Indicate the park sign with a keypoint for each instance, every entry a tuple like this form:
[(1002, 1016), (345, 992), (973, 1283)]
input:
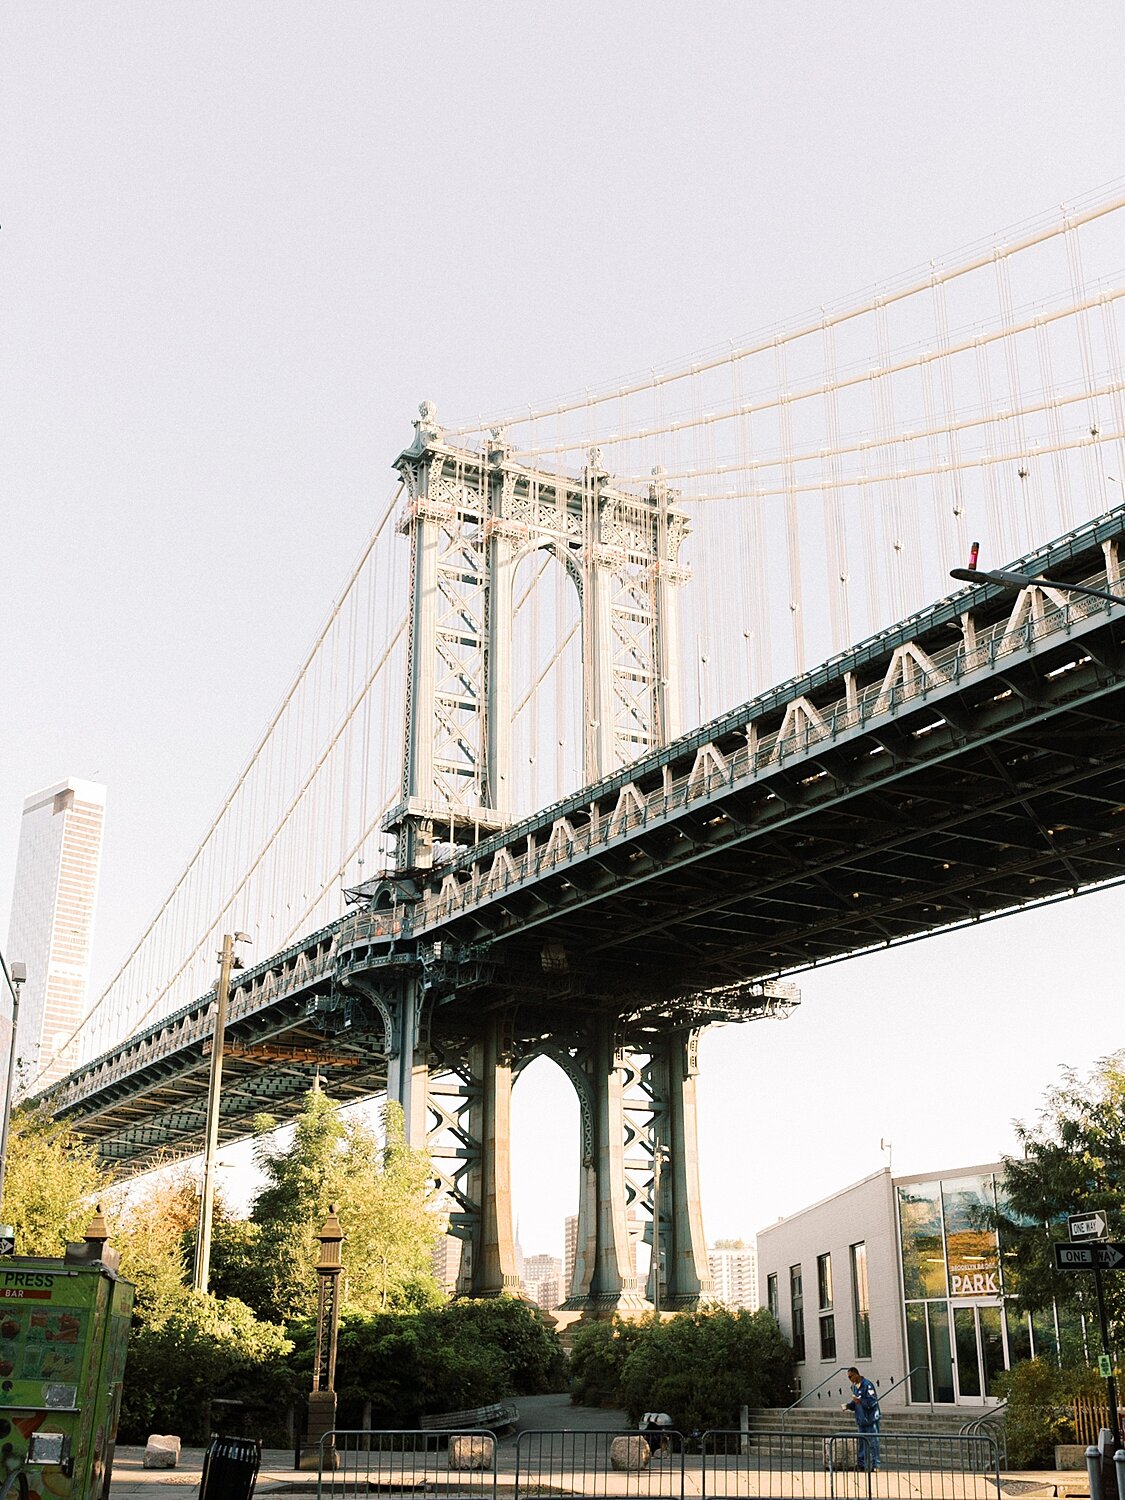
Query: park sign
[(1087, 1226), (1098, 1255)]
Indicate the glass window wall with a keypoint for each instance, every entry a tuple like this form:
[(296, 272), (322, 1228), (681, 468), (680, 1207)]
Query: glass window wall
[(923, 1246), (861, 1301), (797, 1311)]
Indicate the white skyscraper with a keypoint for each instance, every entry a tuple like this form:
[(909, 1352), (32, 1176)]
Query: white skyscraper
[(734, 1269), (52, 924)]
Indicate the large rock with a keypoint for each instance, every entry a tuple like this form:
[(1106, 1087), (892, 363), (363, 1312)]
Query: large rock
[(629, 1453), (470, 1451), (162, 1452)]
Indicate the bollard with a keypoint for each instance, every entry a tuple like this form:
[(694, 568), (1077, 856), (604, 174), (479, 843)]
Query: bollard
[(1119, 1466), (1094, 1471)]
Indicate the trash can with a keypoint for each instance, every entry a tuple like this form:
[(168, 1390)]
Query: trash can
[(230, 1468)]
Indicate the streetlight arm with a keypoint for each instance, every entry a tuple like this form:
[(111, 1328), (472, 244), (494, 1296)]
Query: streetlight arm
[(1017, 581)]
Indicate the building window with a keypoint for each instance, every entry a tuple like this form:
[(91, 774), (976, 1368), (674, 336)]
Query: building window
[(861, 1301), (797, 1312), (824, 1307), (771, 1297)]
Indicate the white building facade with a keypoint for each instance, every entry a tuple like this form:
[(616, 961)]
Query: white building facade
[(52, 923), (902, 1277)]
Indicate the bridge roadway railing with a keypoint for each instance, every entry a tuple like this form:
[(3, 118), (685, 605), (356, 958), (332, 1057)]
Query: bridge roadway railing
[(287, 973), (694, 767)]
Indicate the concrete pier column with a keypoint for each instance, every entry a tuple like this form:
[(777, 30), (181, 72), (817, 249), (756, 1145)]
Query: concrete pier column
[(408, 1070), (608, 1279), (491, 1262), (688, 1275)]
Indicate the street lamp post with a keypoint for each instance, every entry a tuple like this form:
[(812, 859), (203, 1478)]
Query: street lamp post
[(322, 1400), (16, 977), (1016, 581), (227, 963)]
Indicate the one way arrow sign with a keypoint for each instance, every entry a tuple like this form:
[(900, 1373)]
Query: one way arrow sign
[(1090, 1226), (1102, 1255)]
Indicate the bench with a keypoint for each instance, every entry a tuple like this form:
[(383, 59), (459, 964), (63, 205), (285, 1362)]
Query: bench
[(501, 1416)]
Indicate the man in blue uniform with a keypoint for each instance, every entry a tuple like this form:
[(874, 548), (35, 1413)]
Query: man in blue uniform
[(865, 1405)]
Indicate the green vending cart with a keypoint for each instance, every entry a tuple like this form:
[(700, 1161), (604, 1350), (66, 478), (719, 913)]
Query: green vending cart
[(64, 1332)]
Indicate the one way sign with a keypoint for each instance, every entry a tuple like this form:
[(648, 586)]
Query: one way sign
[(1096, 1256), (1089, 1226)]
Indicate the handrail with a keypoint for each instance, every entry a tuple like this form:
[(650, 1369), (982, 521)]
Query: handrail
[(843, 1370), (990, 1415), (903, 1381), (977, 1428)]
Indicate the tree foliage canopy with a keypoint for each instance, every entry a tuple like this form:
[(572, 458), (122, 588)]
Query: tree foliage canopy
[(382, 1193), (1073, 1162), (51, 1182)]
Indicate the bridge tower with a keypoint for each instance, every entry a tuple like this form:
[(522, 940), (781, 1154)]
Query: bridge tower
[(470, 518)]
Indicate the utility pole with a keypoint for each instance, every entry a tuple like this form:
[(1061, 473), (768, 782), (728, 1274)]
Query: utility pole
[(227, 962)]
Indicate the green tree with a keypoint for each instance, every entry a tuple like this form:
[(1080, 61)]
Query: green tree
[(382, 1193), (393, 1368), (702, 1367), (201, 1348), (51, 1183), (1073, 1161), (1040, 1409), (698, 1367), (149, 1233), (597, 1359)]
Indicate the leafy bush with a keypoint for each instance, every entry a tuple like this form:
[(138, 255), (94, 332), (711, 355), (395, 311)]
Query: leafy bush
[(1039, 1413), (597, 1360), (702, 1367), (393, 1368), (698, 1367), (204, 1347)]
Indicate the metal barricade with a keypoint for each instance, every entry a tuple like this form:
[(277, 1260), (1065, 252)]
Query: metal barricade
[(643, 1464), (922, 1465), (355, 1462), (808, 1466), (781, 1465)]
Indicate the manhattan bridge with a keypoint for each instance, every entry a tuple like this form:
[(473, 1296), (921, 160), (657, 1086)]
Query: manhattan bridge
[(586, 756)]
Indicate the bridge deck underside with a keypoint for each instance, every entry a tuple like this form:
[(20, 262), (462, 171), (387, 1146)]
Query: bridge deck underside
[(989, 796), (270, 1062)]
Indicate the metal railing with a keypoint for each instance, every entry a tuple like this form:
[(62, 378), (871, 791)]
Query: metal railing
[(782, 1465), (991, 1423), (644, 1464), (804, 1396), (930, 1466), (654, 1465), (884, 1394), (406, 1463)]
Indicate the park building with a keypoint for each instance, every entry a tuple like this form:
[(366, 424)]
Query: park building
[(52, 925), (734, 1270), (902, 1277)]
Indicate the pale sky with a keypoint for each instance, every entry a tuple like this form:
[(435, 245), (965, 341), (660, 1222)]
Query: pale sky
[(239, 244)]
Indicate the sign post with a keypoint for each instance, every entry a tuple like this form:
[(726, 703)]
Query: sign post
[(1089, 1250)]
